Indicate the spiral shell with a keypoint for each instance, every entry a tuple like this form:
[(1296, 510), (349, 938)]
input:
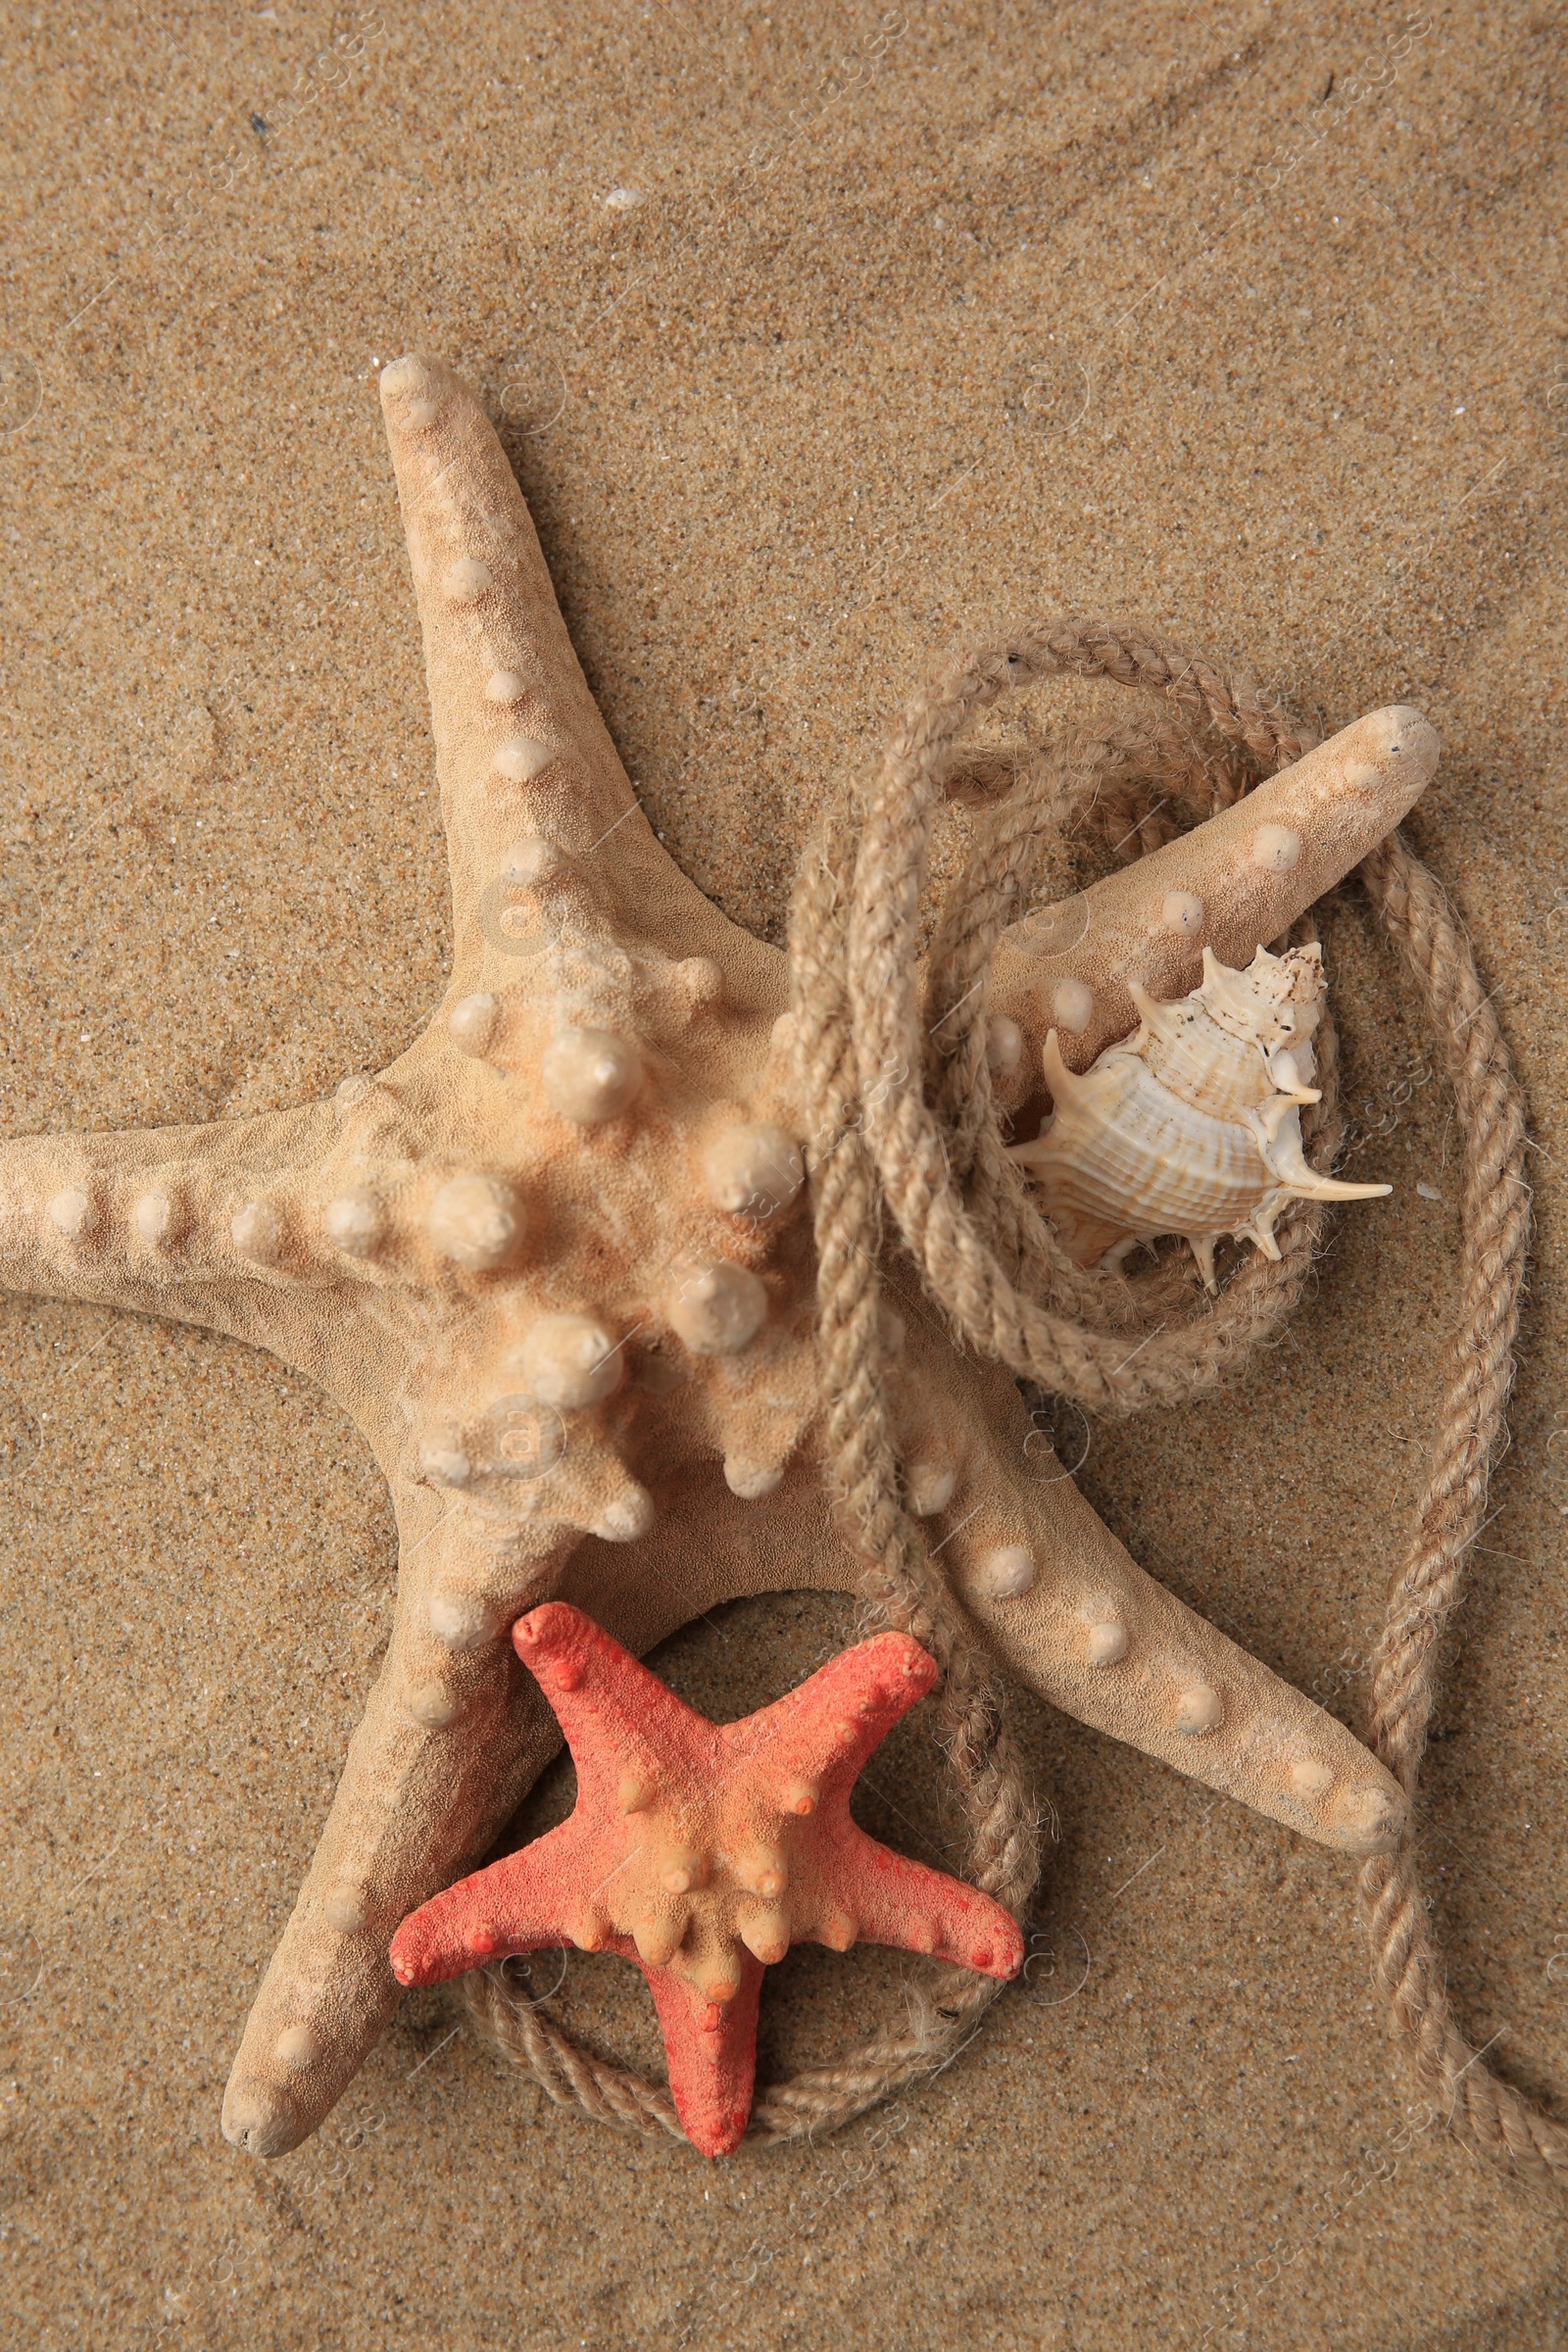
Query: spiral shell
[(1193, 1125)]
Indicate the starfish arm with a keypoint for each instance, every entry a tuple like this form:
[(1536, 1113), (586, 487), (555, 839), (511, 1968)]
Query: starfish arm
[(712, 2055), (448, 1745), (820, 1733), (218, 1225), (531, 784), (878, 1896), (809, 1747), (627, 1730), (524, 1903), (1233, 884), (1070, 1612)]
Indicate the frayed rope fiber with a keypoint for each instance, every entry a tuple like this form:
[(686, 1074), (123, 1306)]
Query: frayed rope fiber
[(928, 1156)]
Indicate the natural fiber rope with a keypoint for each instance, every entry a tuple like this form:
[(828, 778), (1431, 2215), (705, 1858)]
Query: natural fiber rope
[(1496, 1223), (902, 1117)]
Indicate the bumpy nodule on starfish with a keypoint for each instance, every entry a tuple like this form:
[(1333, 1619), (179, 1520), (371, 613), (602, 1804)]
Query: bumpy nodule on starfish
[(555, 1261), (703, 1851)]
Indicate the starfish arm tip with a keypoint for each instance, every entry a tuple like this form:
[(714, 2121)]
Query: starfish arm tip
[(262, 2119), (603, 1696), (529, 1901), (712, 2055), (1231, 884), (825, 1728), (876, 1895)]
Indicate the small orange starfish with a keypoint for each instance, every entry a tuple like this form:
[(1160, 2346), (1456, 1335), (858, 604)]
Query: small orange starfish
[(704, 1850)]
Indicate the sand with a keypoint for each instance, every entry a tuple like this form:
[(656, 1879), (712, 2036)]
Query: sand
[(820, 349)]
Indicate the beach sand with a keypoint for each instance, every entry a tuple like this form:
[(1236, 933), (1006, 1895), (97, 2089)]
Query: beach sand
[(824, 344)]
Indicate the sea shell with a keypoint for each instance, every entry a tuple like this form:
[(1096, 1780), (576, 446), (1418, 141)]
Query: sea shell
[(1193, 1125)]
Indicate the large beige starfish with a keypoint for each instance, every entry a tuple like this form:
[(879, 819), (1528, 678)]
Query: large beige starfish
[(554, 1263)]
